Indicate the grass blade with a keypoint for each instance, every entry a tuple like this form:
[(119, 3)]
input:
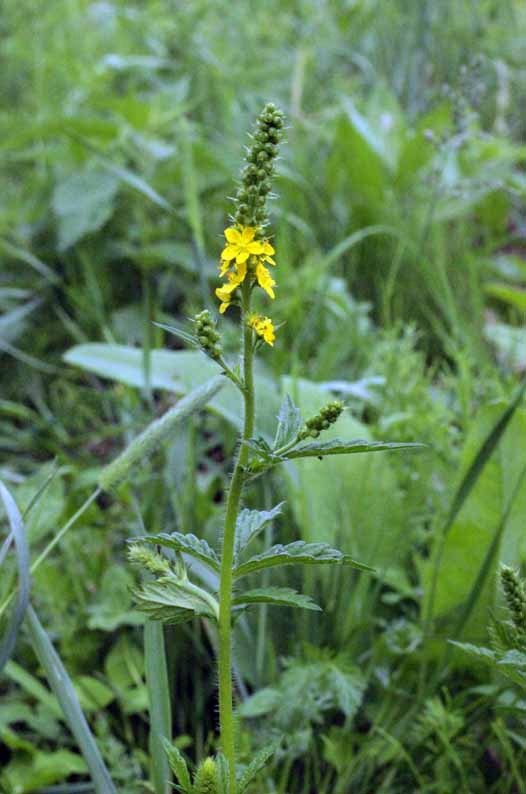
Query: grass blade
[(18, 535), (159, 698), (62, 687)]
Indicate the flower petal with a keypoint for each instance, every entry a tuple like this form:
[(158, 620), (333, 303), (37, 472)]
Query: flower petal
[(265, 280), (223, 307), (232, 235), (242, 256), (241, 268), (268, 248), (229, 252), (247, 235), (223, 267), (255, 247)]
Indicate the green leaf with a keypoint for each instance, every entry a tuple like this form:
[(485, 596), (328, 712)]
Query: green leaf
[(513, 296), (156, 432), (290, 422), (25, 774), (318, 449), (17, 533), (250, 523), (513, 658), (339, 499), (65, 693), (510, 342), (178, 371), (277, 596), (175, 601), (83, 203), (112, 607), (485, 522), (223, 774), (297, 553), (93, 695), (159, 704), (44, 520), (476, 651), (190, 339), (256, 765), (178, 766), (185, 543), (262, 702), (124, 668)]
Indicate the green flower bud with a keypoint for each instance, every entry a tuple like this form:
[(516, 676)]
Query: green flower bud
[(515, 595), (207, 335), (251, 196), (206, 780), (322, 420)]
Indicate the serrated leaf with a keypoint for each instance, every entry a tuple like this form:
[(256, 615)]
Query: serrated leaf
[(175, 601), (290, 422), (317, 449), (514, 658), (185, 543), (250, 523), (475, 651), (255, 766), (277, 596), (260, 703), (178, 766), (297, 553)]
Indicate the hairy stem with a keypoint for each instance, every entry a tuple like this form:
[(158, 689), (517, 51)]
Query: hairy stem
[(226, 715)]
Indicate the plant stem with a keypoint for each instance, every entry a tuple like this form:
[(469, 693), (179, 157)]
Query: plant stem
[(226, 715)]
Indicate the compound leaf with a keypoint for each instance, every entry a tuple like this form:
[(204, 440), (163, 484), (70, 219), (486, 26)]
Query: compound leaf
[(187, 544), (277, 596), (297, 553)]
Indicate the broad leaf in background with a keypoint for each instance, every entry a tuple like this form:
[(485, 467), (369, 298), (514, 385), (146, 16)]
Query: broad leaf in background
[(177, 371), (470, 536), (31, 772), (336, 500), (83, 202), (112, 606), (289, 423)]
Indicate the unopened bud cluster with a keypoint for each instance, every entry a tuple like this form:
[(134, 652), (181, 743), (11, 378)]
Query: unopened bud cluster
[(140, 555), (206, 781), (256, 176), (326, 417), (207, 335), (515, 594)]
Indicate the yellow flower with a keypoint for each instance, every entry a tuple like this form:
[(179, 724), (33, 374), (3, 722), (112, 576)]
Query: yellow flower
[(263, 327), (241, 245), (265, 280), (224, 293), (267, 252), (241, 257)]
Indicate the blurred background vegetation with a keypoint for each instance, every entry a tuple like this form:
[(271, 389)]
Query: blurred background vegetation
[(401, 246)]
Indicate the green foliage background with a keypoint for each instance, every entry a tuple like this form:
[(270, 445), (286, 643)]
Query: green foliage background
[(400, 240)]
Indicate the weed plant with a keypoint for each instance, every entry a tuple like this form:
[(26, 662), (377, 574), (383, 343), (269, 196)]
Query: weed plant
[(399, 240)]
